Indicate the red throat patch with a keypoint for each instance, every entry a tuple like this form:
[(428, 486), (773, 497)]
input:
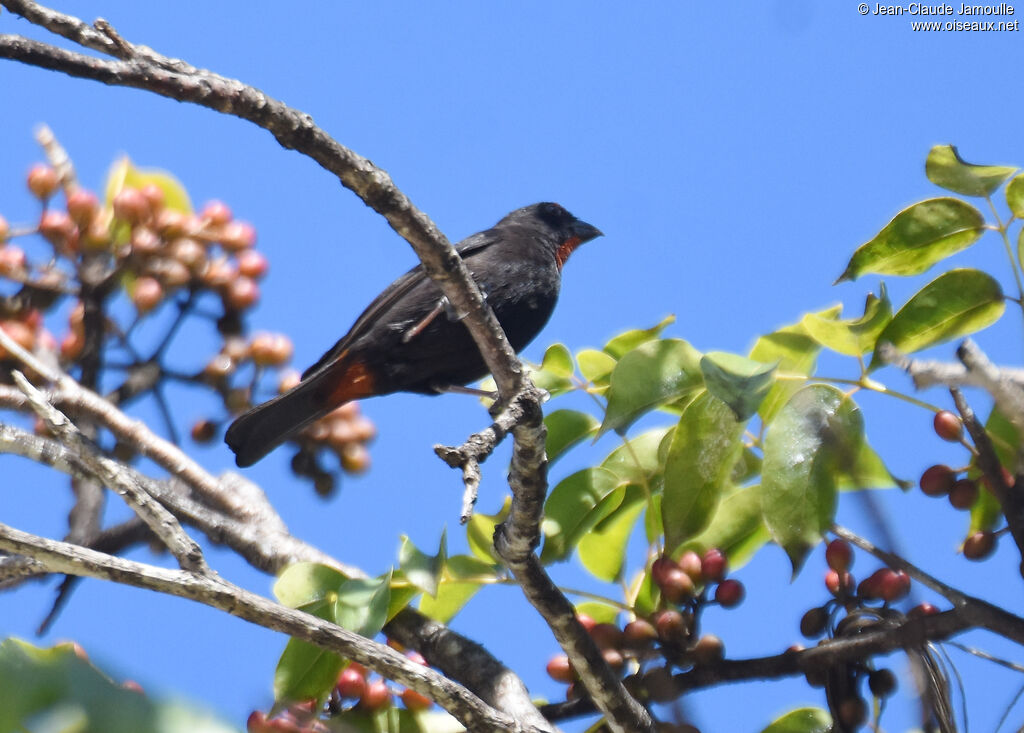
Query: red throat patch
[(565, 249)]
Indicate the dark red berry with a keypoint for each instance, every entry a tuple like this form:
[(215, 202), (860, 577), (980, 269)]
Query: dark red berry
[(882, 682), (839, 555), (937, 480), (714, 565), (730, 593), (979, 545), (948, 426), (963, 494), (839, 583), (895, 585), (677, 586), (813, 623), (560, 669)]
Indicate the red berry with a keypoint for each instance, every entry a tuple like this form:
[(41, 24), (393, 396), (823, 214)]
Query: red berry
[(639, 633), (714, 565), (937, 480), (979, 545), (709, 649), (237, 235), (351, 682), (678, 586), (376, 695), (82, 206), (42, 181), (729, 593), (839, 583), (131, 206), (948, 426), (415, 701), (203, 431), (252, 264), (871, 587), (690, 563), (606, 636), (132, 686), (672, 626), (21, 333), (242, 293), (560, 669), (853, 711), (922, 609), (147, 294), (895, 585), (5, 229), (257, 722), (613, 658), (660, 568), (58, 229), (154, 195), (839, 555), (963, 494), (585, 621), (216, 213)]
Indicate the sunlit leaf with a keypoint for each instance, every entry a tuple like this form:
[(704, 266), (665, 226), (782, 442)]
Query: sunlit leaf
[(600, 612), (362, 605), (303, 583), (595, 366), (802, 720), (956, 303), (1015, 196), (422, 570), (869, 471), (737, 528), (603, 549), (480, 532), (575, 506), (629, 340), (638, 460), (464, 577), (567, 428), (817, 433), (918, 237), (853, 337), (651, 374), (795, 352), (739, 382), (305, 671), (944, 167), (699, 464)]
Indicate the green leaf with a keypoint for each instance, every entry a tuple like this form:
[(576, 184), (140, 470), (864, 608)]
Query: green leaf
[(1015, 196), (854, 337), (55, 690), (600, 612), (869, 472), (303, 584), (700, 460), (947, 169), (955, 303), (603, 550), (464, 577), (567, 428), (796, 353), (480, 532), (648, 376), (817, 433), (558, 361), (595, 366), (575, 506), (917, 238), (305, 671), (737, 528), (362, 605), (638, 460), (629, 340), (422, 570), (747, 467), (739, 382), (802, 720), (987, 512)]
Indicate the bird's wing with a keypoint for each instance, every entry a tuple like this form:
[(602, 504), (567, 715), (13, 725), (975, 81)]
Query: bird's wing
[(392, 294)]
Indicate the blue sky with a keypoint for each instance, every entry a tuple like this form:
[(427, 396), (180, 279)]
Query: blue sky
[(734, 154)]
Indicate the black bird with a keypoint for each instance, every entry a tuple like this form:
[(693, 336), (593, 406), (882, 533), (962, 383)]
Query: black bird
[(409, 340)]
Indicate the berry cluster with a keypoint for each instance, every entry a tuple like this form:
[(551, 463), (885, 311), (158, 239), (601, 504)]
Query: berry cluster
[(651, 647), (962, 491), (145, 242), (850, 612)]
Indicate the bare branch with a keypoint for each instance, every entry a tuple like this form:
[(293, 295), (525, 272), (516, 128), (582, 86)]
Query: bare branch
[(187, 552)]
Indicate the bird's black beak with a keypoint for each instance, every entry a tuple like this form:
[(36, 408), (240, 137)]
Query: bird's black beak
[(585, 231)]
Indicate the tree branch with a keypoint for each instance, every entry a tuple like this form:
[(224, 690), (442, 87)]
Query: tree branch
[(213, 591)]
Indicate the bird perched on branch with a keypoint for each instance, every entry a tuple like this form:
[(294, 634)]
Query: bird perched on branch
[(410, 340)]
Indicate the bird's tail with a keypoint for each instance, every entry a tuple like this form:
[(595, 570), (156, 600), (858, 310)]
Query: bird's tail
[(266, 426)]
